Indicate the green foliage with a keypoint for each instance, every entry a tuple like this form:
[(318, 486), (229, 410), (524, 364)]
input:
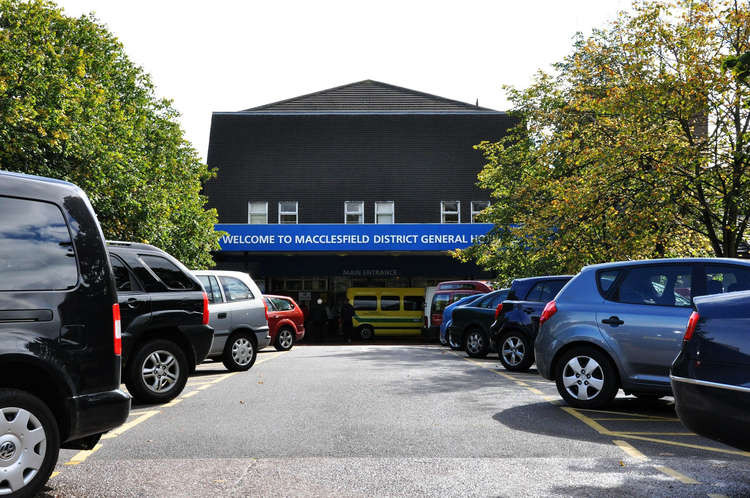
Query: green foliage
[(73, 106), (635, 147)]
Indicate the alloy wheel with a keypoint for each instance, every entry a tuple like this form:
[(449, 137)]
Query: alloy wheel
[(513, 350), (23, 444), (475, 342), (160, 371), (583, 378), (285, 338)]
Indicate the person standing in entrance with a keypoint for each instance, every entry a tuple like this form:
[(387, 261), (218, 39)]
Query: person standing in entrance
[(347, 316), (318, 318)]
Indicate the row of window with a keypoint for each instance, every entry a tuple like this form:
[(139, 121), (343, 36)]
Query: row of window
[(388, 303), (354, 212)]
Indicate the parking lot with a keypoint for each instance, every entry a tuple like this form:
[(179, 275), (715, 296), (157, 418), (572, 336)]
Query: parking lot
[(394, 419)]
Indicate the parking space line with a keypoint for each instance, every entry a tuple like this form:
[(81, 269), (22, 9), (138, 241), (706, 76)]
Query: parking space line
[(673, 473), (143, 416), (714, 495), (82, 455), (630, 450)]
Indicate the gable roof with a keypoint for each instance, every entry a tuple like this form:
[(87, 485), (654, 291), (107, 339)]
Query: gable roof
[(368, 95)]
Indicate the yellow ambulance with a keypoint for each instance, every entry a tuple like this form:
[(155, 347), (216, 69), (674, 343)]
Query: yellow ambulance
[(397, 311)]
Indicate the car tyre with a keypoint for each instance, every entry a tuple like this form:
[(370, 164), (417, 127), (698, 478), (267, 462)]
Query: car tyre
[(515, 351), (454, 343), (240, 352), (284, 339), (366, 333), (30, 447), (586, 378), (476, 343), (157, 372)]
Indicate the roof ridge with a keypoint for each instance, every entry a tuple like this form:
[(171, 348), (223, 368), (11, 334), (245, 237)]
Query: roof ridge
[(435, 99)]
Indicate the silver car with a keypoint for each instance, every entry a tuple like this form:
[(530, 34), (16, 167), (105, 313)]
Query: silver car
[(238, 315)]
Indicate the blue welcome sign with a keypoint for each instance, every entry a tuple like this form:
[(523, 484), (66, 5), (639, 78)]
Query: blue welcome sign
[(319, 237)]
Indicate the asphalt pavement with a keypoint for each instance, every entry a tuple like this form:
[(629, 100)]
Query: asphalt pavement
[(377, 420)]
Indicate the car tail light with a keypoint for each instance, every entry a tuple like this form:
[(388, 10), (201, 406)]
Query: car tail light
[(116, 329), (205, 308), (426, 324), (265, 305), (549, 310), (498, 310), (694, 317)]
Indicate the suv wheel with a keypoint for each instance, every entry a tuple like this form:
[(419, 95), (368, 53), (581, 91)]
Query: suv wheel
[(366, 333), (29, 443), (515, 352), (284, 339), (477, 344), (586, 378), (158, 372), (239, 352)]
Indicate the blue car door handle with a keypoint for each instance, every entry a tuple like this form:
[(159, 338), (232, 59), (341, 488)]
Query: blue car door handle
[(613, 320)]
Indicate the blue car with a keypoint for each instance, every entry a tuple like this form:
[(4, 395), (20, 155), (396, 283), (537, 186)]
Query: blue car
[(620, 325), (448, 313)]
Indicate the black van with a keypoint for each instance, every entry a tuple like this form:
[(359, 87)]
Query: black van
[(59, 330)]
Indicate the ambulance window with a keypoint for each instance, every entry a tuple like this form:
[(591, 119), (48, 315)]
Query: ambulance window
[(365, 303), (390, 303)]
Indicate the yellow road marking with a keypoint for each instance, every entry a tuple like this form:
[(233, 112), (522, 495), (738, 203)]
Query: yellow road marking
[(658, 433), (637, 419), (191, 393), (58, 472), (81, 456), (172, 403), (673, 473), (536, 391), (129, 425), (638, 415), (201, 388), (630, 450), (591, 423), (714, 495)]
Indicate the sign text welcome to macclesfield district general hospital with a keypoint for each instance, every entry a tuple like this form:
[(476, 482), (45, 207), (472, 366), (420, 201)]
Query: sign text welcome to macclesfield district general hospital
[(393, 237)]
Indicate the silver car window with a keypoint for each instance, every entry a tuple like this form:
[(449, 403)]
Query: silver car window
[(235, 289)]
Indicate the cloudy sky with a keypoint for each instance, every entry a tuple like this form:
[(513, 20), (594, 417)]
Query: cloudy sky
[(227, 55)]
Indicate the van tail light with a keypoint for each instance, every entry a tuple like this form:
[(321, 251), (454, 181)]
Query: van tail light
[(498, 310), (694, 317), (116, 329), (549, 310), (205, 308)]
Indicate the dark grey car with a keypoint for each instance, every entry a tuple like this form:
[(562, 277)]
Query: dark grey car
[(620, 325)]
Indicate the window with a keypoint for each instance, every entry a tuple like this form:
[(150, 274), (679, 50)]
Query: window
[(288, 212), (450, 212), (36, 252), (544, 292), (365, 303), (390, 303), (384, 212), (124, 279), (212, 288), (282, 304), (257, 212), (664, 285), (607, 278), (725, 278), (439, 302), (269, 303), (167, 272), (235, 289), (354, 212), (413, 303), (476, 208)]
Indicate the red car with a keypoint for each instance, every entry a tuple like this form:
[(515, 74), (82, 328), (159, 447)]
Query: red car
[(286, 323)]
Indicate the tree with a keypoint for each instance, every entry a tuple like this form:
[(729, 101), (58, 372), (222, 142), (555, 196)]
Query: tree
[(74, 107), (634, 147)]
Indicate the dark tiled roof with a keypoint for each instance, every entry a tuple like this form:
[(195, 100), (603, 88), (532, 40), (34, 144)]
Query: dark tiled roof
[(368, 95)]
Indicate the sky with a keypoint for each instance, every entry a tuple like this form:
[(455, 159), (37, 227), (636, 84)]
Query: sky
[(222, 55)]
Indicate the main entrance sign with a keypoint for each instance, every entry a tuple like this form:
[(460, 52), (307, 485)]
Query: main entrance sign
[(318, 237)]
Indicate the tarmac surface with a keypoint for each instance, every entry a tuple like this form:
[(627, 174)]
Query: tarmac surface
[(394, 420)]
